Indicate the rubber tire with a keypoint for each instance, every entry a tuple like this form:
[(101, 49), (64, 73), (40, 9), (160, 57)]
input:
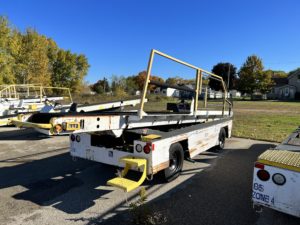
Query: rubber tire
[(222, 138), (176, 156)]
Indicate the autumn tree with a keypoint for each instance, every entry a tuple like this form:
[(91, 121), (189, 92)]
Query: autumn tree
[(7, 61), (69, 70), (32, 61), (222, 70), (141, 77), (33, 58)]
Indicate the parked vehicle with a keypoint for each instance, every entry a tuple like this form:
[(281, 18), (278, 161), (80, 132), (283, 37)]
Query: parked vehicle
[(153, 142), (27, 99), (276, 178)]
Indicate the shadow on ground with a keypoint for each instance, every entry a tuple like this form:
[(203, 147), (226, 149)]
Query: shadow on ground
[(47, 180), (21, 134), (220, 194)]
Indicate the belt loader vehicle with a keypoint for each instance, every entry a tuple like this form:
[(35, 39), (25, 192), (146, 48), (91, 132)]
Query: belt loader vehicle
[(276, 178), (152, 142), (26, 99), (64, 120)]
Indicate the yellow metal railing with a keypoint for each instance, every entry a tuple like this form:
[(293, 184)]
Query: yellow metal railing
[(13, 90), (198, 87)]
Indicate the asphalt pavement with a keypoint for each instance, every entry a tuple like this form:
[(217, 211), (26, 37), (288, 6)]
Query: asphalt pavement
[(41, 184)]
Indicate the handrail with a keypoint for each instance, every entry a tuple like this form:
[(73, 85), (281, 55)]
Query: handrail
[(11, 91), (199, 78)]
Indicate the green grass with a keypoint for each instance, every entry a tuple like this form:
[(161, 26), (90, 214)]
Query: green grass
[(262, 120), (265, 120)]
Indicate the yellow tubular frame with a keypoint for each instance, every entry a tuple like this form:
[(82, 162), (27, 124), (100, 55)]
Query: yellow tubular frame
[(199, 77), (11, 90)]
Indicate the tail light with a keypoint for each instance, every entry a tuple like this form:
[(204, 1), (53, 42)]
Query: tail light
[(263, 175), (72, 137), (147, 148), (279, 179)]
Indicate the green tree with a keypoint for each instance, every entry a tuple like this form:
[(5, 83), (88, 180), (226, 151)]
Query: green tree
[(131, 85), (294, 71), (222, 70), (174, 80), (101, 86), (179, 81), (118, 83), (266, 82), (250, 75), (277, 73)]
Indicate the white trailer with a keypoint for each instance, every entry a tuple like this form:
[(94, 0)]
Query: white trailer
[(33, 100), (152, 142), (52, 120), (276, 178)]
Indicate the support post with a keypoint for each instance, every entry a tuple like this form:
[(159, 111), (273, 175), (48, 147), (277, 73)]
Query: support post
[(205, 98), (197, 91), (146, 83), (224, 99)]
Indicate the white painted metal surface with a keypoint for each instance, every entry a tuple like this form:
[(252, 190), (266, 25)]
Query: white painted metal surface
[(105, 121), (284, 198), (116, 122), (198, 140), (23, 105)]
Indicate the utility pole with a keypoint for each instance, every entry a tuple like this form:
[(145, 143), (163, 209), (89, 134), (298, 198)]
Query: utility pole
[(228, 75)]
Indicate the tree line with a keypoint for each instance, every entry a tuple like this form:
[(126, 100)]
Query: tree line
[(250, 78), (31, 58), (121, 85)]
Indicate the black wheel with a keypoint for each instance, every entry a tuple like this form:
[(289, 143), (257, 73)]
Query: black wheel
[(176, 162), (222, 137)]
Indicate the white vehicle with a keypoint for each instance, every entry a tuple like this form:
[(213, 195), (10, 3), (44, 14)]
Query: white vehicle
[(153, 142), (57, 120), (26, 99), (276, 178)]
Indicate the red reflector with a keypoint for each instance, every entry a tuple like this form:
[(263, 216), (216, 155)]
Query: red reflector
[(153, 147), (259, 166)]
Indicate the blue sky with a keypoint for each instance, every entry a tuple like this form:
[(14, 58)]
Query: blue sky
[(117, 35)]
